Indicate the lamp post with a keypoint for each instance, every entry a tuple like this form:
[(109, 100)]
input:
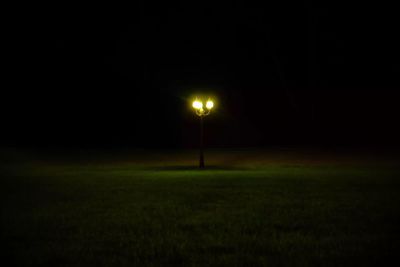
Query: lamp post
[(201, 112)]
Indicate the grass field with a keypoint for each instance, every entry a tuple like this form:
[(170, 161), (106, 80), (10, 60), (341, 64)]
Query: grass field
[(248, 208)]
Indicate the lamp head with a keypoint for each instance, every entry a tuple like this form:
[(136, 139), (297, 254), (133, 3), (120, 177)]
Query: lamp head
[(197, 104), (209, 104)]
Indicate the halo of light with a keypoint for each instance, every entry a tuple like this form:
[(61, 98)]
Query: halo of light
[(210, 104), (197, 104)]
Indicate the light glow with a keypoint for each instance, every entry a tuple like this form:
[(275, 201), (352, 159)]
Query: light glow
[(210, 104), (197, 104)]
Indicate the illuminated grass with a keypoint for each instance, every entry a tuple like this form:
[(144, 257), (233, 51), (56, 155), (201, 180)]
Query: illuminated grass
[(140, 213)]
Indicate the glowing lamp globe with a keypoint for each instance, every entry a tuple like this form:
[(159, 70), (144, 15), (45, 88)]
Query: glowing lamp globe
[(209, 104), (197, 104)]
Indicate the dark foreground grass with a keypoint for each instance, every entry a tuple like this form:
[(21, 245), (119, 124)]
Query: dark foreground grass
[(248, 209)]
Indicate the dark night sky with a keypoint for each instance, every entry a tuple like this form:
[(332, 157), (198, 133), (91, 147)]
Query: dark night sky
[(98, 76)]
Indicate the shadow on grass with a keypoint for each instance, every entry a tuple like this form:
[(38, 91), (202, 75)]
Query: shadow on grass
[(196, 168)]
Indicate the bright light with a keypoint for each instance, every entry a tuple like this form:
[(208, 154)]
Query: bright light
[(197, 104), (210, 104)]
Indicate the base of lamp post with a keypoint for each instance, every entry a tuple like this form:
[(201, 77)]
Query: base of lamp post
[(201, 165)]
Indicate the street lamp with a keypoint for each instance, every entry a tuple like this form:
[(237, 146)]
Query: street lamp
[(201, 112)]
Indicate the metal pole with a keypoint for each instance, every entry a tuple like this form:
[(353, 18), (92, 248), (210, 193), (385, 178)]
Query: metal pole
[(201, 142)]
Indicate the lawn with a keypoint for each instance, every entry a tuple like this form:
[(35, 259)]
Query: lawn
[(247, 208)]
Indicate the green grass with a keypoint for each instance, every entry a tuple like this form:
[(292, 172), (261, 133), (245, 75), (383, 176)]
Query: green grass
[(156, 209)]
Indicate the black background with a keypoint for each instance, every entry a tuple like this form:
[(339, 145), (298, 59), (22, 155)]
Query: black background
[(310, 73)]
